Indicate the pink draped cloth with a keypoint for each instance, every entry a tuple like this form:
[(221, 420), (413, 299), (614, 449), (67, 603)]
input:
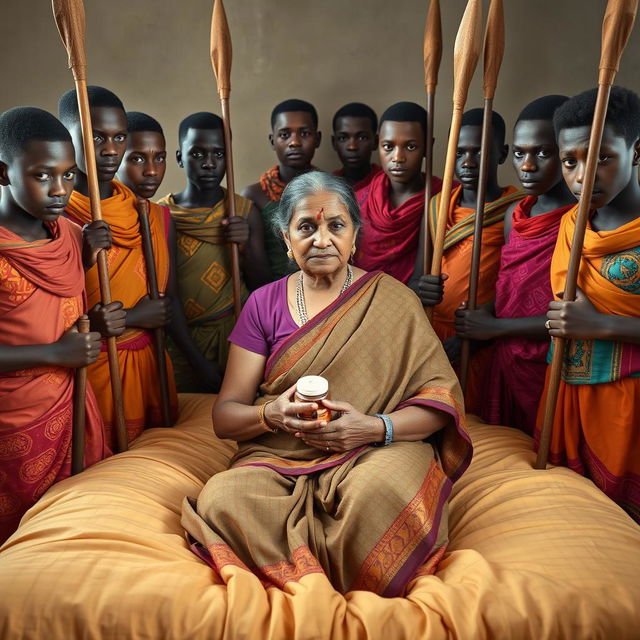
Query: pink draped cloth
[(523, 289)]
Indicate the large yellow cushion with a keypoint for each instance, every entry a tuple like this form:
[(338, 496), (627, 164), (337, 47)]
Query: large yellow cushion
[(533, 554)]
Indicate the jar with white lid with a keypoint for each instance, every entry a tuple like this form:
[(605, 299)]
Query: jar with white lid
[(313, 389)]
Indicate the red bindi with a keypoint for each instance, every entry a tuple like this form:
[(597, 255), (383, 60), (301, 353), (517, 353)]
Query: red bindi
[(319, 215)]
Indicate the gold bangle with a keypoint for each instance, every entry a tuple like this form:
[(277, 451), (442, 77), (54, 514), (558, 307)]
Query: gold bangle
[(261, 419)]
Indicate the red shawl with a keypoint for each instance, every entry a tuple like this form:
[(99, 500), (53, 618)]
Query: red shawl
[(389, 237), (523, 289), (362, 187), (41, 296)]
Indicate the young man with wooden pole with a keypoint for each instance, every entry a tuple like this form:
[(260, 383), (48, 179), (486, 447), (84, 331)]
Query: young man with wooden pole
[(465, 59), (69, 17), (493, 53), (616, 29)]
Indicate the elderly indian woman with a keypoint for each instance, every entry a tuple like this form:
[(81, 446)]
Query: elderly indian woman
[(360, 499)]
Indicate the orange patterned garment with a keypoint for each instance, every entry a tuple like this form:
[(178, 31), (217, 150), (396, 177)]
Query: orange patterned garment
[(128, 277), (41, 296)]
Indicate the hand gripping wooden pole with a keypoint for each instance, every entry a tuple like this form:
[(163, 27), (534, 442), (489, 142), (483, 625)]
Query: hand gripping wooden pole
[(432, 56), (79, 408), (465, 59), (616, 29), (221, 62), (69, 17), (142, 205), (493, 54)]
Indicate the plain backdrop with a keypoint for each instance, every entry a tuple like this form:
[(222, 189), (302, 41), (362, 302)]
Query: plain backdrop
[(155, 55)]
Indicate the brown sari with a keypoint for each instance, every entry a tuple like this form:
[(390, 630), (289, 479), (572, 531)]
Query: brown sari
[(369, 518)]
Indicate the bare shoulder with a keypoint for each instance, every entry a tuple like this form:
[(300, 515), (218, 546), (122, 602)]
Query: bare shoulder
[(255, 193)]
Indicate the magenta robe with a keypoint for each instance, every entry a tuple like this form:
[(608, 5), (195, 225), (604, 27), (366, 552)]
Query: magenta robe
[(523, 289)]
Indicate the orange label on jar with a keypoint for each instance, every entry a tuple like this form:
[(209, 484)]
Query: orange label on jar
[(321, 414)]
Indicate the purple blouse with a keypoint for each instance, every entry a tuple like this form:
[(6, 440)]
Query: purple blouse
[(265, 321)]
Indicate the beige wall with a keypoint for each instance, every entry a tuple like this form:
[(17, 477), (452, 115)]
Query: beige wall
[(154, 55)]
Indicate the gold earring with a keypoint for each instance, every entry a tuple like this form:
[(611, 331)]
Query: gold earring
[(290, 254), (353, 250)]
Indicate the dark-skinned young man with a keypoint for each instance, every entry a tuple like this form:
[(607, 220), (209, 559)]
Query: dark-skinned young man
[(294, 137), (447, 292), (393, 209), (515, 319), (127, 271), (202, 253), (42, 261), (354, 139), (596, 430)]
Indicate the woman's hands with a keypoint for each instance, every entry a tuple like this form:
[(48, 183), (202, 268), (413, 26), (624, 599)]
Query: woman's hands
[(348, 431), (282, 413)]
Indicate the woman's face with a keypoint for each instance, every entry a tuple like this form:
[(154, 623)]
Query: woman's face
[(321, 234)]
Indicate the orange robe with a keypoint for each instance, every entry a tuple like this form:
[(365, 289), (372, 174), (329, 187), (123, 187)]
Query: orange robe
[(41, 296), (596, 430), (128, 277), (456, 262)]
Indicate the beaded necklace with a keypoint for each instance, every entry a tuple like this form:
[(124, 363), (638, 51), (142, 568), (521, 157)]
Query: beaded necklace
[(301, 305)]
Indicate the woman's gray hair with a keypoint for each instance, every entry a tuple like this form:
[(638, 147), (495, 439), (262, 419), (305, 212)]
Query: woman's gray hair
[(307, 184)]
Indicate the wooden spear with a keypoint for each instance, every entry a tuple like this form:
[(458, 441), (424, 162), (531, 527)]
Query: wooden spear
[(616, 28), (79, 408), (465, 59), (142, 205), (221, 63), (432, 57), (493, 53), (69, 17)]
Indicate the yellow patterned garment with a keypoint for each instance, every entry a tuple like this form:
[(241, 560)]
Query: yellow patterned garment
[(204, 282)]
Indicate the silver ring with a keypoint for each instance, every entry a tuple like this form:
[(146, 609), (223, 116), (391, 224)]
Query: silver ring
[(547, 324)]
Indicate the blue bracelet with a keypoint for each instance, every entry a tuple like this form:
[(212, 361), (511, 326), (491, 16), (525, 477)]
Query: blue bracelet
[(388, 430)]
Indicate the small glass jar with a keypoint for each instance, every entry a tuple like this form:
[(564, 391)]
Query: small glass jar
[(313, 389)]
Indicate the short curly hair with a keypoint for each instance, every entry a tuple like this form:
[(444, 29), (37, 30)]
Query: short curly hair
[(21, 125), (623, 113)]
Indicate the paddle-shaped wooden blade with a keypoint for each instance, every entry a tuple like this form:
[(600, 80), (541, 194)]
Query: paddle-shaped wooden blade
[(466, 54), (432, 46), (221, 51), (493, 54), (69, 17), (616, 28), (493, 48), (466, 51)]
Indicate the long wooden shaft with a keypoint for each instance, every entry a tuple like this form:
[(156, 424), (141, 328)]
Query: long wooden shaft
[(231, 205), (445, 197), (428, 173), (79, 408), (154, 294), (103, 268), (476, 251), (445, 193), (582, 217)]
